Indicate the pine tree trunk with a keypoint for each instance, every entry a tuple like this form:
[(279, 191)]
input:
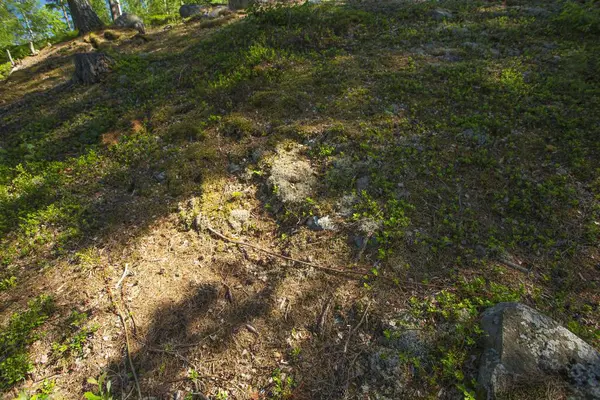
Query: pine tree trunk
[(84, 16), (90, 67), (67, 20)]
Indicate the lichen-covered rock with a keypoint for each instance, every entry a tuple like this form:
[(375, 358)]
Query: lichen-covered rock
[(130, 21), (292, 177), (239, 218), (316, 223), (523, 346)]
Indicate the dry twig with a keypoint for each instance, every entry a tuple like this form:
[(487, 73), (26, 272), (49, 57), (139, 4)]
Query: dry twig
[(127, 342), (362, 319), (308, 264)]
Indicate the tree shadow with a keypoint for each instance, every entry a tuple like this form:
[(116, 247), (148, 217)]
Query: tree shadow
[(217, 80)]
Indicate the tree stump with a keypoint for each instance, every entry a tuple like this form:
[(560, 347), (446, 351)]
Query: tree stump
[(89, 67)]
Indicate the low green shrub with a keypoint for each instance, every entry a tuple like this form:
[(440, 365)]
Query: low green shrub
[(17, 336), (581, 17)]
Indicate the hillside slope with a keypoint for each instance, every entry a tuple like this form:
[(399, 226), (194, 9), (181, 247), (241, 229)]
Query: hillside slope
[(409, 164)]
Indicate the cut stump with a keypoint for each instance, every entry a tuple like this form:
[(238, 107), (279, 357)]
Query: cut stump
[(90, 67)]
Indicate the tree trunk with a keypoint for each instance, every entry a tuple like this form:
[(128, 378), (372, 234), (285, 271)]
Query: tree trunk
[(84, 16), (31, 35), (66, 16), (90, 67), (32, 49), (115, 9), (12, 62)]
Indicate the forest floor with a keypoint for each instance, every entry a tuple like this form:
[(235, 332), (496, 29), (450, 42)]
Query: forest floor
[(392, 169)]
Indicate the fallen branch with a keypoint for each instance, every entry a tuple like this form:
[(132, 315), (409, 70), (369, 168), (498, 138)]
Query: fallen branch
[(308, 264), (512, 265), (122, 277), (323, 316), (362, 319), (127, 343)]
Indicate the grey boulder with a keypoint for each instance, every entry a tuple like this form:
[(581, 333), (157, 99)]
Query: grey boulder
[(131, 21), (187, 10), (218, 11), (523, 348)]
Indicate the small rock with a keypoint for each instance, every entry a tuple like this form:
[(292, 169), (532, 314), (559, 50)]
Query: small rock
[(256, 155), (480, 251), (479, 138), (238, 218), (160, 176), (346, 205), (123, 79), (178, 395), (233, 168), (362, 183), (441, 14), (319, 224)]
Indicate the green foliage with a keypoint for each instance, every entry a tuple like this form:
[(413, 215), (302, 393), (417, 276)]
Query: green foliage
[(5, 69), (283, 385), (582, 17), (102, 390), (238, 127), (76, 336), (8, 283), (161, 19), (101, 8), (187, 130), (28, 20), (17, 336), (458, 311), (44, 393)]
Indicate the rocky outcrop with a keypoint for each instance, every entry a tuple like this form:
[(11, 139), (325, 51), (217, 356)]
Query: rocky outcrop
[(199, 12), (523, 347)]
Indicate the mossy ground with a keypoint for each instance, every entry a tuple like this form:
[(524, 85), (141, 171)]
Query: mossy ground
[(477, 135)]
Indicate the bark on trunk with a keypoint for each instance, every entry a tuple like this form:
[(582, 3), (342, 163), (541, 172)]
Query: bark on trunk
[(115, 9), (90, 67), (66, 16), (84, 16), (12, 62), (31, 35)]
